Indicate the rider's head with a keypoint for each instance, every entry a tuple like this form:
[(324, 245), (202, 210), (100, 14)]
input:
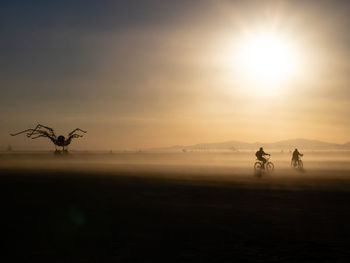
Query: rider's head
[(261, 148), (296, 149)]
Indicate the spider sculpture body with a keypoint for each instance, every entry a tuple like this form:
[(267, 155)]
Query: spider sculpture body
[(44, 131)]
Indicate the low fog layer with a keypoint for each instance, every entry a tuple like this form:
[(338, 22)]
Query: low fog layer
[(181, 163)]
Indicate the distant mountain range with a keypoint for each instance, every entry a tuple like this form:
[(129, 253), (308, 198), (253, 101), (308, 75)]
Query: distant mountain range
[(302, 144)]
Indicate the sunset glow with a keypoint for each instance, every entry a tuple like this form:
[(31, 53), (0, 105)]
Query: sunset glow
[(179, 74), (175, 131), (267, 57), (265, 61)]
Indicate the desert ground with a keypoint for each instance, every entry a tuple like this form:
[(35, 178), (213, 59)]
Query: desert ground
[(174, 207)]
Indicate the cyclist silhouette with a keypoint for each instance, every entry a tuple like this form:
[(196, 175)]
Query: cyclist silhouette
[(296, 154), (259, 155)]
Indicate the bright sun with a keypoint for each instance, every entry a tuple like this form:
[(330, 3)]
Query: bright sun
[(266, 60)]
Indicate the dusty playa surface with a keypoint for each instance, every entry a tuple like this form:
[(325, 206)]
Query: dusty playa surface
[(171, 207)]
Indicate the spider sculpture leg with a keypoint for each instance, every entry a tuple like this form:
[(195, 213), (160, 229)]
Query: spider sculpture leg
[(39, 128), (77, 129), (15, 134)]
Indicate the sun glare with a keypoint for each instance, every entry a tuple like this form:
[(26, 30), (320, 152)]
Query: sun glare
[(266, 57), (265, 60)]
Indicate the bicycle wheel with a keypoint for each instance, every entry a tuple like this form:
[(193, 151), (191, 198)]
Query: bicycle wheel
[(257, 166), (300, 164), (270, 167)]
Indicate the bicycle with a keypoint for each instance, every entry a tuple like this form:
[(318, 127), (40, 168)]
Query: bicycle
[(269, 166), (297, 164)]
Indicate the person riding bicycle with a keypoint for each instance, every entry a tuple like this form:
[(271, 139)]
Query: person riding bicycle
[(296, 154), (259, 155)]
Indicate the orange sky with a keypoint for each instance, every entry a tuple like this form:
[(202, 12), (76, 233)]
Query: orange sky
[(157, 76)]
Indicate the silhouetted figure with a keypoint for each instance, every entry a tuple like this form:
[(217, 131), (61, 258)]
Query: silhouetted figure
[(44, 131), (259, 155), (9, 148), (295, 156)]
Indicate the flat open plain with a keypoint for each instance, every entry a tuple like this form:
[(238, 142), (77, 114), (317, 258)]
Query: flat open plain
[(174, 207)]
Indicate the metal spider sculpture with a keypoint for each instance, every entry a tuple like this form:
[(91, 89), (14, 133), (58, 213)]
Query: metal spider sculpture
[(44, 131)]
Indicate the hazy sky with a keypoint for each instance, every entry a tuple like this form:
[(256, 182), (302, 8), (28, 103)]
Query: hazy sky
[(140, 74)]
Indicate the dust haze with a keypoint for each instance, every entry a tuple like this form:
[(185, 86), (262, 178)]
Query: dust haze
[(192, 165), (135, 126), (183, 206)]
